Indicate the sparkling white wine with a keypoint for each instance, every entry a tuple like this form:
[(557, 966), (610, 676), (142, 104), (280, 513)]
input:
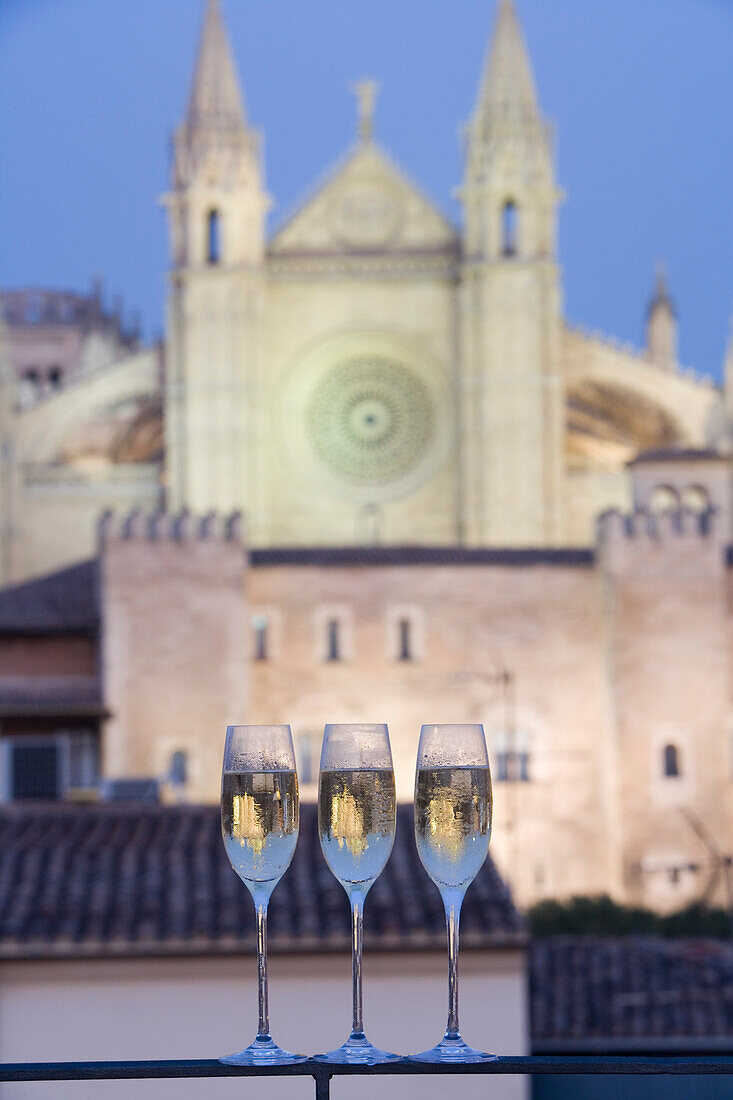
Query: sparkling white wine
[(453, 822), (259, 823), (356, 822)]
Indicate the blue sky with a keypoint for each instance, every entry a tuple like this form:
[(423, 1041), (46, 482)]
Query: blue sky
[(641, 92)]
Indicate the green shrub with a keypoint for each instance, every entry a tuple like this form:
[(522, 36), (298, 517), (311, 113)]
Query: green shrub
[(602, 916)]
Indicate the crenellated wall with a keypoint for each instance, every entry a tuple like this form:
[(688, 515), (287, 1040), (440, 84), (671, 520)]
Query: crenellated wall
[(668, 639), (174, 660)]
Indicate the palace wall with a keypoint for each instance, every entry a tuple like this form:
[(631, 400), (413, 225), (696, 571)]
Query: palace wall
[(541, 622)]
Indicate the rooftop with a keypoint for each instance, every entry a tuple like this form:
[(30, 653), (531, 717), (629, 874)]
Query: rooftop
[(420, 555), (113, 880), (630, 993), (679, 454), (62, 602)]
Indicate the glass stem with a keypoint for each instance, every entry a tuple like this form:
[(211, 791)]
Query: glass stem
[(452, 920), (263, 1028), (357, 925)]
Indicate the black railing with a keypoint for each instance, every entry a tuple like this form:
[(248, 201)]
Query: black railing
[(322, 1074)]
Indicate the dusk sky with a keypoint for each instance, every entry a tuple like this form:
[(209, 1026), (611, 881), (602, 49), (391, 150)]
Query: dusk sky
[(641, 92)]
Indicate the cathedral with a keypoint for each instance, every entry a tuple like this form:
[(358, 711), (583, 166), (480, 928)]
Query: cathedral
[(373, 469)]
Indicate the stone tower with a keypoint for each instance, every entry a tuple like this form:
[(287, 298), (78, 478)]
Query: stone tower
[(511, 394), (661, 324), (216, 208)]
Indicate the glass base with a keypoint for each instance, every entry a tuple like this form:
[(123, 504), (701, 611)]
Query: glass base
[(263, 1052), (357, 1051), (452, 1050)]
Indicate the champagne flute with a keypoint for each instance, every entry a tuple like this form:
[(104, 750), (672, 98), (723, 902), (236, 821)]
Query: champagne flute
[(453, 804), (259, 824), (356, 826)]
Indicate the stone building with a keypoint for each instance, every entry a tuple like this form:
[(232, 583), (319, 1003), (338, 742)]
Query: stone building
[(420, 448), (370, 373)]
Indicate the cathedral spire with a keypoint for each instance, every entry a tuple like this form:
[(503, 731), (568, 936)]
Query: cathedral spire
[(216, 102), (728, 371), (661, 323), (507, 96), (366, 101)]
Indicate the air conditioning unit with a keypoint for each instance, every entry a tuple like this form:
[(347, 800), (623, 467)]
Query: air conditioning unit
[(130, 790)]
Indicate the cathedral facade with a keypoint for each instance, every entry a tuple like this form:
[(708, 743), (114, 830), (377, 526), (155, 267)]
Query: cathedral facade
[(370, 373), (419, 448)]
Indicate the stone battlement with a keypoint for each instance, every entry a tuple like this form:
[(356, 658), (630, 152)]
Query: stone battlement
[(170, 526), (644, 524)]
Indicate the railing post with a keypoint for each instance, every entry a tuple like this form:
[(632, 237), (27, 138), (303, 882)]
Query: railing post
[(323, 1083)]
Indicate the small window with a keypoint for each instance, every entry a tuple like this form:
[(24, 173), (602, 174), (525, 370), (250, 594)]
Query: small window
[(509, 224), (55, 378), (671, 762), (259, 625), (35, 771), (512, 767), (213, 237), (178, 771), (405, 640), (333, 647)]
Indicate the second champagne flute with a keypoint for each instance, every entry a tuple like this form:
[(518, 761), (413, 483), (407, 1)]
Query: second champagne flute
[(356, 826)]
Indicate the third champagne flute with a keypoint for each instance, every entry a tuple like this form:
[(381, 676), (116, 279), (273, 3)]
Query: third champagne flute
[(356, 825), (452, 828)]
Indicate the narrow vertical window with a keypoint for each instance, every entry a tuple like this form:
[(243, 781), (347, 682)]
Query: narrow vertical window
[(671, 762), (509, 221), (178, 772), (405, 640), (259, 625), (305, 758), (333, 648), (213, 237)]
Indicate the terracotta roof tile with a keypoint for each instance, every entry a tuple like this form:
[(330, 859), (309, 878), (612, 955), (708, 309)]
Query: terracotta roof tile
[(114, 879), (626, 993)]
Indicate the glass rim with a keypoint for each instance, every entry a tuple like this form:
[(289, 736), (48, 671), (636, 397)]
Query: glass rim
[(458, 726), (258, 726), (367, 727)]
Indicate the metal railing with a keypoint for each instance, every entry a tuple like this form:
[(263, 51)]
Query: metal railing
[(322, 1074)]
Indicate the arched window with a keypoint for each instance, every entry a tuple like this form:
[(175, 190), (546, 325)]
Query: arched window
[(663, 498), (671, 761), (509, 226), (213, 237), (695, 498), (404, 652), (333, 647)]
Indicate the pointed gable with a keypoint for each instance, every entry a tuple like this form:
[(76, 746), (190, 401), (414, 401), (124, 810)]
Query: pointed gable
[(367, 205)]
